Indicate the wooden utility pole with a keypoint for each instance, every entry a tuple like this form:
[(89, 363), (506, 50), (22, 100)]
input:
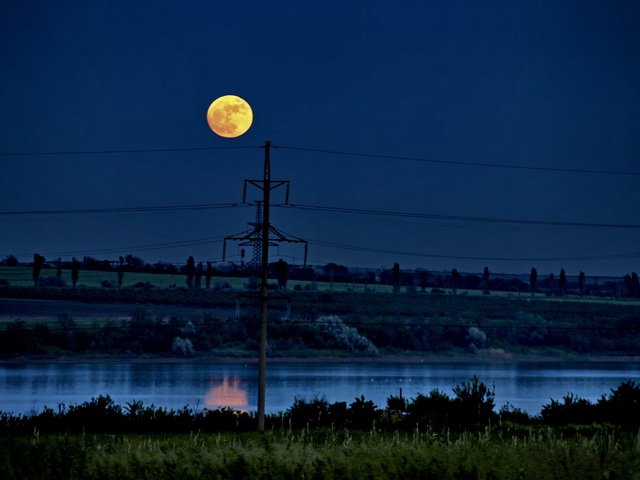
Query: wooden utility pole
[(260, 237), (264, 286)]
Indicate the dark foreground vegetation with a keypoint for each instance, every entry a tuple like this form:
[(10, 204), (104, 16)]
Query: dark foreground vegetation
[(430, 436), (321, 455), (470, 409)]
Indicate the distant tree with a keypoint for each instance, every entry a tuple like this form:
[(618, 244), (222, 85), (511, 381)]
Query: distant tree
[(134, 263), (581, 283), (91, 263), (9, 261), (635, 286), (485, 280), (333, 272), (283, 274), (551, 283), (208, 274), (38, 262), (120, 271), (533, 280), (199, 273), (395, 277), (190, 271), (562, 282), (59, 269), (75, 271), (423, 279), (455, 280)]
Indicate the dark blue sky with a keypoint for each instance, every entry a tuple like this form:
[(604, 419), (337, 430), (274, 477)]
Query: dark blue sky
[(528, 83)]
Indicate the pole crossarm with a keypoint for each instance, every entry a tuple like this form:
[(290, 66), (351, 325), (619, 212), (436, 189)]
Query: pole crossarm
[(273, 184)]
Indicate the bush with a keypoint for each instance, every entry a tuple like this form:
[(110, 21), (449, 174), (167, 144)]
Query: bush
[(572, 410), (182, 347), (346, 336)]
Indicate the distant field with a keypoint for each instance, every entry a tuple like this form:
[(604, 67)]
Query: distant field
[(21, 277)]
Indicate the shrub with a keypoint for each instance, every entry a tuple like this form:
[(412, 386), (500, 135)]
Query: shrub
[(475, 402), (346, 336), (313, 413), (572, 410), (182, 347), (432, 411)]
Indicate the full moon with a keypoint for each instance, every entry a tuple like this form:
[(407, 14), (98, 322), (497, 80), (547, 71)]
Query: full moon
[(229, 116)]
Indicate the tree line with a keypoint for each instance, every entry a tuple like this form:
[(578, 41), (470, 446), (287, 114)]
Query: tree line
[(199, 274)]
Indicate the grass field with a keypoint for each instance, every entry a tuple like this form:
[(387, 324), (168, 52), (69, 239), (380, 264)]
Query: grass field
[(20, 276), (320, 455)]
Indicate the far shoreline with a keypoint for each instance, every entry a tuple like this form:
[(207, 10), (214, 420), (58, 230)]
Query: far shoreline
[(483, 357)]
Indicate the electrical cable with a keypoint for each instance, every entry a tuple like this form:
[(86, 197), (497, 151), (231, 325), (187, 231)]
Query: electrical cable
[(161, 208), (464, 257), (463, 218), (461, 163), (124, 151)]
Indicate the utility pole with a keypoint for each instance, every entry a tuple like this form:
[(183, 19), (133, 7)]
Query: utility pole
[(264, 286), (260, 237)]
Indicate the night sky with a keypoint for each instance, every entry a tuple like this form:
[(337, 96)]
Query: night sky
[(527, 83)]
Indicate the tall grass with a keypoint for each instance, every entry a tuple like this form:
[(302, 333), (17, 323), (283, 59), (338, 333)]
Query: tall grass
[(320, 455)]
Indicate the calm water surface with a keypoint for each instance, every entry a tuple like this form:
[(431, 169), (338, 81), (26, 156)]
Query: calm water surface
[(28, 387)]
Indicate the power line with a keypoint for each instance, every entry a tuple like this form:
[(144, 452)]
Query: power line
[(161, 208), (122, 151), (143, 248), (463, 218), (462, 163), (330, 152), (462, 257)]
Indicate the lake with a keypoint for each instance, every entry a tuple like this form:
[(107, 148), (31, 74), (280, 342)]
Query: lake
[(526, 385)]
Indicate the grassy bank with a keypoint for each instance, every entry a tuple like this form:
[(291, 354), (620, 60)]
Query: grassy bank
[(320, 455), (218, 322)]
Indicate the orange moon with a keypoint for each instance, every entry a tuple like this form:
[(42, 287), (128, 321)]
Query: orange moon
[(229, 116)]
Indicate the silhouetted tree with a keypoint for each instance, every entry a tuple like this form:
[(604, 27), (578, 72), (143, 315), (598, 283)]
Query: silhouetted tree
[(423, 279), (190, 271), (395, 277), (562, 282), (485, 280), (133, 262), (208, 274), (120, 271), (9, 261), (199, 273), (59, 269), (338, 273), (634, 291), (581, 282), (533, 280), (38, 262), (455, 280), (75, 271), (283, 274)]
